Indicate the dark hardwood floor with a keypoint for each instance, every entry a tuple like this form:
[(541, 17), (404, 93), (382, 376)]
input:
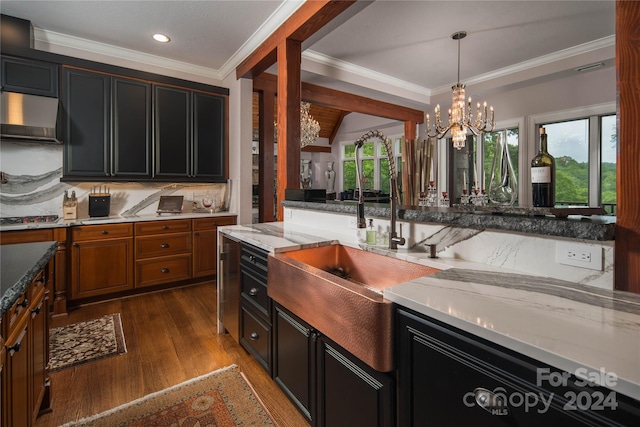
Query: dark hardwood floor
[(171, 337)]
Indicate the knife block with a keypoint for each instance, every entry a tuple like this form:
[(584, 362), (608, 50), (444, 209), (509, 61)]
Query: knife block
[(99, 205)]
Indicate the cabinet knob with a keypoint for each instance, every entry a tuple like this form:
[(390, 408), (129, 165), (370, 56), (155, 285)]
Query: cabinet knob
[(196, 234), (253, 292), (36, 310), (104, 232), (490, 401), (252, 259), (164, 270), (164, 245), (165, 227), (15, 348), (254, 336), (24, 303), (75, 245)]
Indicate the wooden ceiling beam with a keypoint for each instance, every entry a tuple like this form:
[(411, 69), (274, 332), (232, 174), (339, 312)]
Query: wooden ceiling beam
[(302, 24), (345, 101), (336, 127)]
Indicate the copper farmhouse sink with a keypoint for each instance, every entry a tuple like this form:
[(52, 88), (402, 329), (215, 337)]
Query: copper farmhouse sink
[(338, 290)]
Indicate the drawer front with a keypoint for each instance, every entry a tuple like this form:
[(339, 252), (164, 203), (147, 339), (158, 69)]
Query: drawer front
[(254, 259), (102, 231), (256, 338), (16, 312), (213, 222), (255, 290), (163, 245), (37, 286), (163, 270), (26, 236), (158, 227)]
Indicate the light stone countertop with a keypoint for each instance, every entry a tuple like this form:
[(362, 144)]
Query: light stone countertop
[(578, 329), (114, 219)]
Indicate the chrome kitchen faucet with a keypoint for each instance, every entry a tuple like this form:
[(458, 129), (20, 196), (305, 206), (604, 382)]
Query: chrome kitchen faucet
[(394, 238)]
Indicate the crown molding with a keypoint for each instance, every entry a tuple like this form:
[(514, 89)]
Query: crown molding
[(603, 43)]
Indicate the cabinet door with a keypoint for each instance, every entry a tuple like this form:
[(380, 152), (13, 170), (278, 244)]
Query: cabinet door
[(86, 135), (204, 252), (350, 393), (294, 360), (172, 115), (29, 76), (17, 378), (450, 379), (131, 122), (39, 345), (100, 267), (209, 136)]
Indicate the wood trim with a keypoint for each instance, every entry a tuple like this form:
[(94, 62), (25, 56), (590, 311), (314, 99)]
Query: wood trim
[(309, 18), (627, 256), (266, 126), (289, 59), (346, 101), (336, 127), (316, 149)]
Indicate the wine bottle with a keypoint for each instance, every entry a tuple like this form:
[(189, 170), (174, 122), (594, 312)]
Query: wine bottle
[(543, 175)]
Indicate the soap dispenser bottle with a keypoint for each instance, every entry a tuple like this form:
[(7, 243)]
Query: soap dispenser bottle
[(371, 234)]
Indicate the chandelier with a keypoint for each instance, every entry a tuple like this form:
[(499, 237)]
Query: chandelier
[(309, 127), (460, 115)]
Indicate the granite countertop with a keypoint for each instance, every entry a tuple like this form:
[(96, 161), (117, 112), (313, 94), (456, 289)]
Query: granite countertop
[(112, 220), (595, 227), (20, 264), (560, 323)]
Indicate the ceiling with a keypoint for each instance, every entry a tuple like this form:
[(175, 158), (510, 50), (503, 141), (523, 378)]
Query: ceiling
[(393, 51)]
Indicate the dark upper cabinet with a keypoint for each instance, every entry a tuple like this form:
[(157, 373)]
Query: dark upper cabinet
[(131, 124), (172, 132), (209, 136), (29, 76), (190, 134), (87, 102), (108, 126)]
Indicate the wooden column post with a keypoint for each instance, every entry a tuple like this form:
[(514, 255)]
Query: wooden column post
[(266, 126), (289, 89), (627, 250)]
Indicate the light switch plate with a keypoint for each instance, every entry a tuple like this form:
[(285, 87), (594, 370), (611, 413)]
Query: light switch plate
[(579, 255)]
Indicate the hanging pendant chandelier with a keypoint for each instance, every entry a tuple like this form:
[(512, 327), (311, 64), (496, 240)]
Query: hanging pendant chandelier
[(309, 127), (461, 118)]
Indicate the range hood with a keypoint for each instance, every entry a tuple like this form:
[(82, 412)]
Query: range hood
[(28, 117)]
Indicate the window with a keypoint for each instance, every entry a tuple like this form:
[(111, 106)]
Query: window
[(374, 165), (584, 143), (568, 143)]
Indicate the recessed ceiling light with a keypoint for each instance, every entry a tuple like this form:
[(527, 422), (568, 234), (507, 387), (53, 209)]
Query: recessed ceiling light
[(161, 38)]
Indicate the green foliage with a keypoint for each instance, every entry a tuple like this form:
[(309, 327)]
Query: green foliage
[(608, 182)]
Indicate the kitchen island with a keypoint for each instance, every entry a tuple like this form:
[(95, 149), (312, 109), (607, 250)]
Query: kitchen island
[(588, 333)]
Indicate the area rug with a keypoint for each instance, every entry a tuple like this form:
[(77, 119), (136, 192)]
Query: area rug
[(222, 398), (83, 342)]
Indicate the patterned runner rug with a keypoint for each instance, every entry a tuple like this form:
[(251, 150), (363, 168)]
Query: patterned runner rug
[(83, 342), (222, 398)]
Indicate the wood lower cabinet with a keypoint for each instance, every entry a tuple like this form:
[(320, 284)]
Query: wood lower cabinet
[(101, 260), (205, 241), (329, 385), (25, 356), (448, 377), (163, 252)]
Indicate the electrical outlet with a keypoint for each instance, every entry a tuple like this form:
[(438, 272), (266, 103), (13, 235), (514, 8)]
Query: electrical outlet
[(352, 223), (579, 255)]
